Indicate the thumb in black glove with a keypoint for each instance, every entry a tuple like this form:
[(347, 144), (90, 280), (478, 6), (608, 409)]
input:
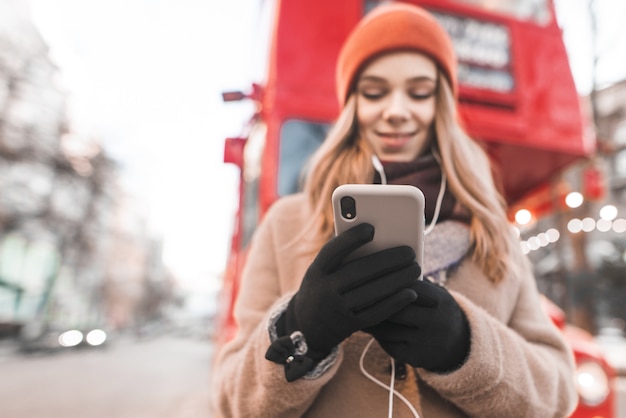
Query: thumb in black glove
[(337, 298), (432, 332)]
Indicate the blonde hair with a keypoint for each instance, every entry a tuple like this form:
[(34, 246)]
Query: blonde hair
[(470, 178), (345, 158)]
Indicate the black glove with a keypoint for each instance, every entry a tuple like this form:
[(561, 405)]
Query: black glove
[(337, 298), (432, 332)]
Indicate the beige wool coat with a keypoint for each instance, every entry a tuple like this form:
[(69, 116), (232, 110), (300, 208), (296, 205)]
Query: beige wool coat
[(519, 364)]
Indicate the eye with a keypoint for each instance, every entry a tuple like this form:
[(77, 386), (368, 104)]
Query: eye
[(372, 93), (421, 94)]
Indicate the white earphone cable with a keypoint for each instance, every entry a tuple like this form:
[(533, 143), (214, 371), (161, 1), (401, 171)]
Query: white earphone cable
[(390, 388), (442, 192), (379, 167), (442, 188)]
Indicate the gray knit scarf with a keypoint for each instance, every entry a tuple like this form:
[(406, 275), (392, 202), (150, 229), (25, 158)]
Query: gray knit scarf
[(444, 249)]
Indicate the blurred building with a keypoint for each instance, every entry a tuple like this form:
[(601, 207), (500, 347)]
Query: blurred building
[(74, 249), (584, 268), (611, 121)]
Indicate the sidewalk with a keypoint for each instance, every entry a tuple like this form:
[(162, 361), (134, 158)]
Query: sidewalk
[(8, 350)]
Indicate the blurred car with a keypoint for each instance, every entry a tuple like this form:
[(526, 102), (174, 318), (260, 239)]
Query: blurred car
[(594, 377), (57, 339), (612, 341)]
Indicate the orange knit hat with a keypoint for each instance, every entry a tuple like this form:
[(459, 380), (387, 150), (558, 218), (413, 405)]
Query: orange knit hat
[(392, 27)]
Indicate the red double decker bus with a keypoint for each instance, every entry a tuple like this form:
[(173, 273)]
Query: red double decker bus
[(517, 97)]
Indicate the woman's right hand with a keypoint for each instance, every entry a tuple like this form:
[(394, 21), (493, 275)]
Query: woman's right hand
[(337, 298)]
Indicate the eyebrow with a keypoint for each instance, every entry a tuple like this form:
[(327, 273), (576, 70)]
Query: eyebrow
[(384, 80)]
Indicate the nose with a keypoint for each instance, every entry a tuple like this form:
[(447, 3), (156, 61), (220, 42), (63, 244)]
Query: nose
[(397, 109)]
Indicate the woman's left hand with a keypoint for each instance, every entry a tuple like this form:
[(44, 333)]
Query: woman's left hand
[(432, 332)]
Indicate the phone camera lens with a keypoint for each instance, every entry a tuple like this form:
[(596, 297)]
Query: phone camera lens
[(348, 207)]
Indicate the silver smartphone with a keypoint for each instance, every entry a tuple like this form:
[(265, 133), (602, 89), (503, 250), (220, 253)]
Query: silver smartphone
[(395, 211)]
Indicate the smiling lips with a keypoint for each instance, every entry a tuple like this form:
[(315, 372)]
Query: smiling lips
[(395, 139)]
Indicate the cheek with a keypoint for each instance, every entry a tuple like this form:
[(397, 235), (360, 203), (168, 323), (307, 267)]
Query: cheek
[(366, 113), (425, 112)]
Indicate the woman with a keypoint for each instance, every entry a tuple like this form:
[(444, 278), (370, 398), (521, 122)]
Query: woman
[(316, 334)]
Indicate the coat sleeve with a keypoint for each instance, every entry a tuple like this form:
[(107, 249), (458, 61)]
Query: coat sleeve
[(244, 383), (519, 364)]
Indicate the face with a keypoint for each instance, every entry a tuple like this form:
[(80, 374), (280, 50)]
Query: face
[(395, 97)]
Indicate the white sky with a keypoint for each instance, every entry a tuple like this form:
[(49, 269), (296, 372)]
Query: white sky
[(146, 76), (574, 19)]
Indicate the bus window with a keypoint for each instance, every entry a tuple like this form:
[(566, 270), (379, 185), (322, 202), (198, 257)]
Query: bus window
[(483, 50), (537, 11), (298, 141), (251, 173)]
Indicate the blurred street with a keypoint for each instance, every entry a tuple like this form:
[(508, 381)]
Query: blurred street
[(159, 377)]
